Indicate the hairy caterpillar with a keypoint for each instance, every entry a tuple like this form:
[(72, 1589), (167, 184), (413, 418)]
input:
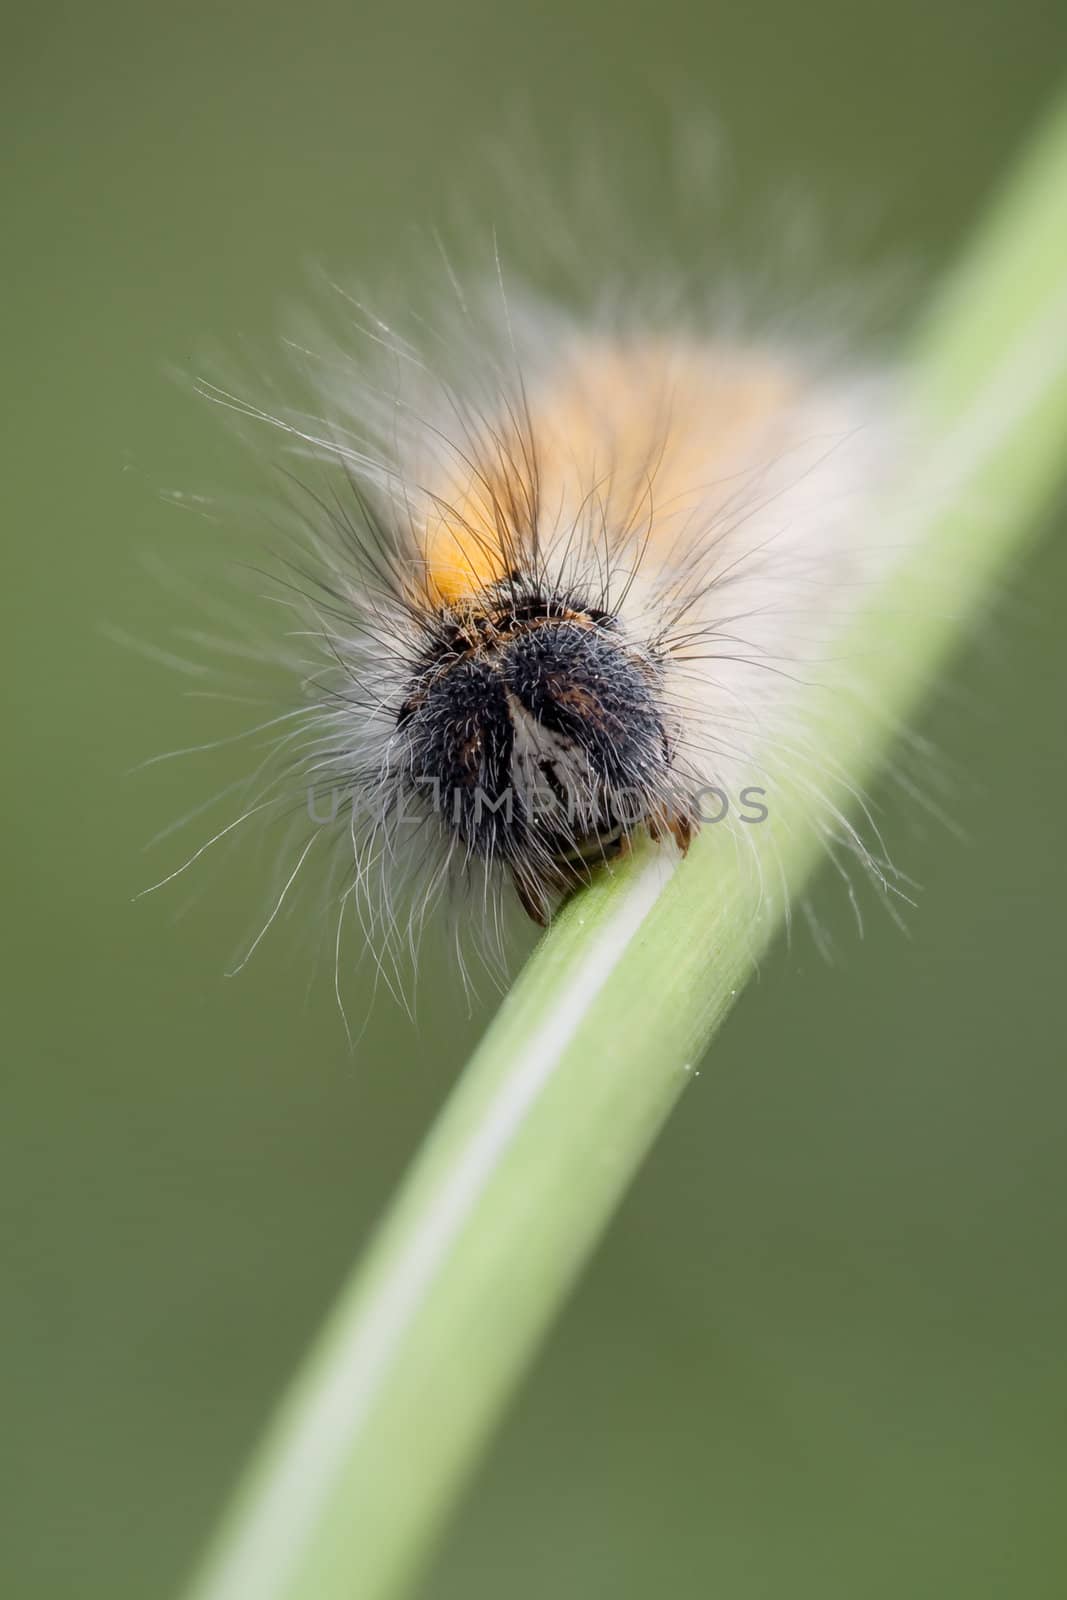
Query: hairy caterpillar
[(562, 580)]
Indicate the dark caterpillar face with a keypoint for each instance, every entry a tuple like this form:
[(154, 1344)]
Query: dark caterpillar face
[(541, 746)]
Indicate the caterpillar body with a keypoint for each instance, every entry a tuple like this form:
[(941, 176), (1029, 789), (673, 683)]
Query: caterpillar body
[(573, 603), (558, 586)]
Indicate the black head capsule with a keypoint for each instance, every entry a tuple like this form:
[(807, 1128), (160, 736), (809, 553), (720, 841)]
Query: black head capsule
[(542, 745)]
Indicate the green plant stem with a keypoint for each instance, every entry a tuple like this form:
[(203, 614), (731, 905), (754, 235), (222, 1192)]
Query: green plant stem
[(599, 1036)]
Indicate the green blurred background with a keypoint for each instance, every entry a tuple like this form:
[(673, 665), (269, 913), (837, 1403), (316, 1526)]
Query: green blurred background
[(821, 1352)]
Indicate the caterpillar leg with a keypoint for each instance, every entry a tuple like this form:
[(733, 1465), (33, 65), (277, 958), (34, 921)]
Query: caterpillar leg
[(680, 826), (533, 899)]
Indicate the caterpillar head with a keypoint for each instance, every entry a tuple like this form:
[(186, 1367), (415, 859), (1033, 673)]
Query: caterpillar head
[(537, 733)]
